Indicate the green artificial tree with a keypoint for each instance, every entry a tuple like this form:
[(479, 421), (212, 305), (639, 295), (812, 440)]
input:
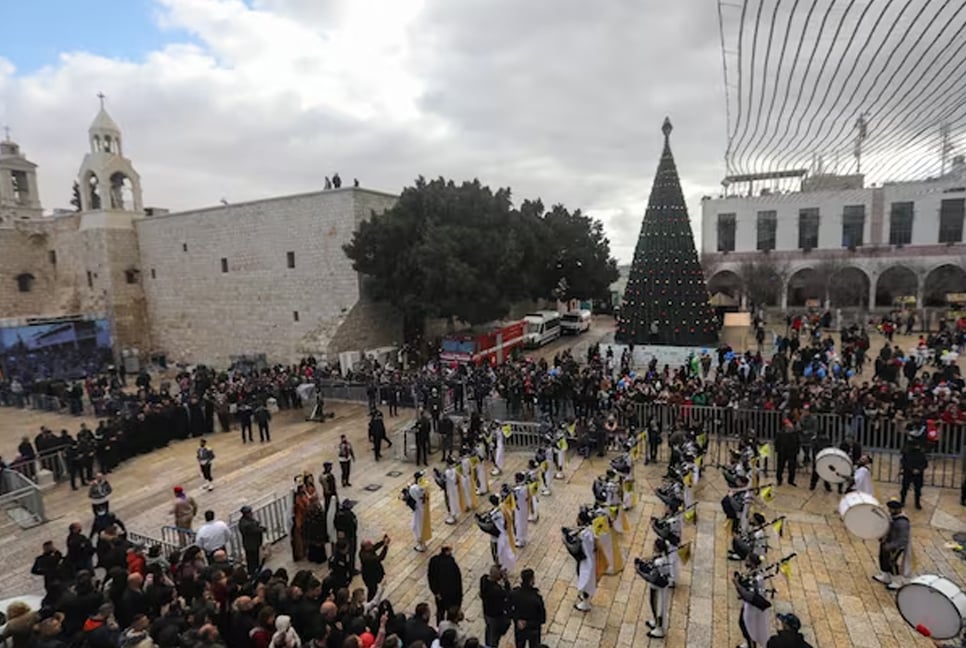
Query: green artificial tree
[(666, 299)]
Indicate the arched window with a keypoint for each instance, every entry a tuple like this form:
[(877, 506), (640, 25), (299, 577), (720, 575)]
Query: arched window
[(25, 282), (107, 143), (97, 143)]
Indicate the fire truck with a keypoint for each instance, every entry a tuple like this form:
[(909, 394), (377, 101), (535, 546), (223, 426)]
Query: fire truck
[(491, 343)]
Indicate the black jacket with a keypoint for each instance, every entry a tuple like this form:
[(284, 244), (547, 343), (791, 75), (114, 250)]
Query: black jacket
[(526, 604), (787, 443), (371, 563), (445, 579), (418, 630), (495, 597), (788, 639), (252, 533)]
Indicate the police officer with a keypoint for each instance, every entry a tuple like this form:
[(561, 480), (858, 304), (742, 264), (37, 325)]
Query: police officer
[(913, 465), (786, 446), (72, 458)]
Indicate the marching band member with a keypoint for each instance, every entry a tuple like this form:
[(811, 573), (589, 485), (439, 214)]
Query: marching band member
[(543, 471), (669, 530), (448, 481), (614, 489), (559, 452), (494, 523), (588, 571), (464, 468), (532, 480), (521, 512), (754, 619), (419, 496), (754, 542), (610, 557), (895, 549), (862, 478), (623, 465), (497, 438), (508, 505), (657, 574), (478, 463)]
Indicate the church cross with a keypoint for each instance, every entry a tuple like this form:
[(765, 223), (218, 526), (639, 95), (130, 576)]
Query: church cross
[(6, 133), (101, 96)]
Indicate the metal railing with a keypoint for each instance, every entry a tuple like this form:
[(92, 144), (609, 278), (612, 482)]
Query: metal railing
[(167, 547), (274, 513), (21, 499)]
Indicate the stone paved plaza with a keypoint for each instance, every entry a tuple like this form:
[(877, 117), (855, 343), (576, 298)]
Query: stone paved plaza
[(830, 587)]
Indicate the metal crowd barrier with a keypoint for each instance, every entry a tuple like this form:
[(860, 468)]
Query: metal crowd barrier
[(21, 499), (274, 513), (167, 547)]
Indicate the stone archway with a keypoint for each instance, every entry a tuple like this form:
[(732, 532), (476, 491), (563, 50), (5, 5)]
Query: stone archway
[(941, 281), (895, 281), (726, 282), (849, 288), (803, 285)]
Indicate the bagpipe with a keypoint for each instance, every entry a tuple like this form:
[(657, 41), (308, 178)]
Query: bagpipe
[(599, 487), (756, 539), (408, 498), (573, 542), (664, 527), (487, 524), (731, 475), (440, 478), (755, 578), (672, 494), (622, 465), (656, 571)]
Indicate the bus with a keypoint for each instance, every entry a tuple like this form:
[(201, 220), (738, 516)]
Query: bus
[(543, 327)]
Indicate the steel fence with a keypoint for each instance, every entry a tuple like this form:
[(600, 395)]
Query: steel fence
[(274, 513), (167, 547), (21, 499)]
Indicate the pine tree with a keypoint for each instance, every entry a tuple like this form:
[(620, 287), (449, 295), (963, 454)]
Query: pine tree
[(666, 299)]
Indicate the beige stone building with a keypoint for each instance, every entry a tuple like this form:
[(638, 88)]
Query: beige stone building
[(262, 277)]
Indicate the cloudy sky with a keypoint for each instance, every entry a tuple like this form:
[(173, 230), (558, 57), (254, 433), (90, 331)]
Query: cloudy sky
[(559, 99)]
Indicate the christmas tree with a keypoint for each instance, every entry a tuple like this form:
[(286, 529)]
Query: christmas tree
[(666, 299)]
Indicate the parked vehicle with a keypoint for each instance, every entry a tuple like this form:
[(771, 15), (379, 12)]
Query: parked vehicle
[(543, 327), (491, 343), (575, 322)]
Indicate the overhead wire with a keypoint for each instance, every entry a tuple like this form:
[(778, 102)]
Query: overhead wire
[(751, 82)]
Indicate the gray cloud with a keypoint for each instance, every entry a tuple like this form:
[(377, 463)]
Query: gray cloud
[(558, 99)]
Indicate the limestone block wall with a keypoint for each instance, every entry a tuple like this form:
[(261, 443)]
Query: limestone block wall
[(218, 281)]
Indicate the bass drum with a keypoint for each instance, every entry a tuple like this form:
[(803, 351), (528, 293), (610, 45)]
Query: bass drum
[(864, 517), (935, 603), (833, 465)]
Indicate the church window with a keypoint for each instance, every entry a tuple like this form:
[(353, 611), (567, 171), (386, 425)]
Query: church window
[(90, 279), (153, 275), (295, 316), (52, 256), (131, 275), (184, 247), (21, 190), (290, 258), (25, 282), (107, 143), (224, 264), (97, 143)]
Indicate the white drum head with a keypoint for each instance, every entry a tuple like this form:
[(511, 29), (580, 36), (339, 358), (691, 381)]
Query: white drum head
[(863, 516), (937, 609), (833, 465)]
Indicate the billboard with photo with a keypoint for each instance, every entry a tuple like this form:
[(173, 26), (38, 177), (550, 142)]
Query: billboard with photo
[(55, 350)]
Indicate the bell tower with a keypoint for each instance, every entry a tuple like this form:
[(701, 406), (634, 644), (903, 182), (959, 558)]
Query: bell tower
[(107, 179), (19, 195)]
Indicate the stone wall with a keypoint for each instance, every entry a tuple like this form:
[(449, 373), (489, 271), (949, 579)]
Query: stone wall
[(200, 313)]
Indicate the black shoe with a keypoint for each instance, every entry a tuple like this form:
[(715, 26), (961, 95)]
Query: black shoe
[(791, 483), (812, 487), (918, 506)]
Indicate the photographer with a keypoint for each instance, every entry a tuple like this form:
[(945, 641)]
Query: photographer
[(495, 594)]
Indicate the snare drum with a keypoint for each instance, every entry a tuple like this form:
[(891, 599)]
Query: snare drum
[(833, 465), (935, 603), (863, 516)]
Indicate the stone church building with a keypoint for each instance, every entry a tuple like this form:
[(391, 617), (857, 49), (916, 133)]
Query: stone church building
[(262, 277)]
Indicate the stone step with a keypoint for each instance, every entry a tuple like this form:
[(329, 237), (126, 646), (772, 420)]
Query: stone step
[(22, 518)]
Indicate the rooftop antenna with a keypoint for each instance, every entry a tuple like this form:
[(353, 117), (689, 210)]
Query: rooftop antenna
[(946, 146), (861, 133)]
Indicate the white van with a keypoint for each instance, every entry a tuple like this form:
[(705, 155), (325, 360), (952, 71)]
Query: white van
[(543, 327), (575, 322)]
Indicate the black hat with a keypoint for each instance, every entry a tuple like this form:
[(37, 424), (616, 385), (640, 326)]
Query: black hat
[(894, 505), (790, 621), (419, 474)]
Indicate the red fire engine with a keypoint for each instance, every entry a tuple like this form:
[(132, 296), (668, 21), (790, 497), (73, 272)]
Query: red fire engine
[(491, 343)]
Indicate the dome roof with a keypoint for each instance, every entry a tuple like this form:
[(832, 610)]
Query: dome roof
[(103, 122)]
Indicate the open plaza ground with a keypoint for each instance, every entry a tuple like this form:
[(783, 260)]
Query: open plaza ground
[(830, 587)]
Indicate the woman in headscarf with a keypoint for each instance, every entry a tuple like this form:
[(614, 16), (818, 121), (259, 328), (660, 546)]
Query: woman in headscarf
[(285, 635)]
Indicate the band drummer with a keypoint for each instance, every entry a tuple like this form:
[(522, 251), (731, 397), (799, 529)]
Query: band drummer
[(895, 548)]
